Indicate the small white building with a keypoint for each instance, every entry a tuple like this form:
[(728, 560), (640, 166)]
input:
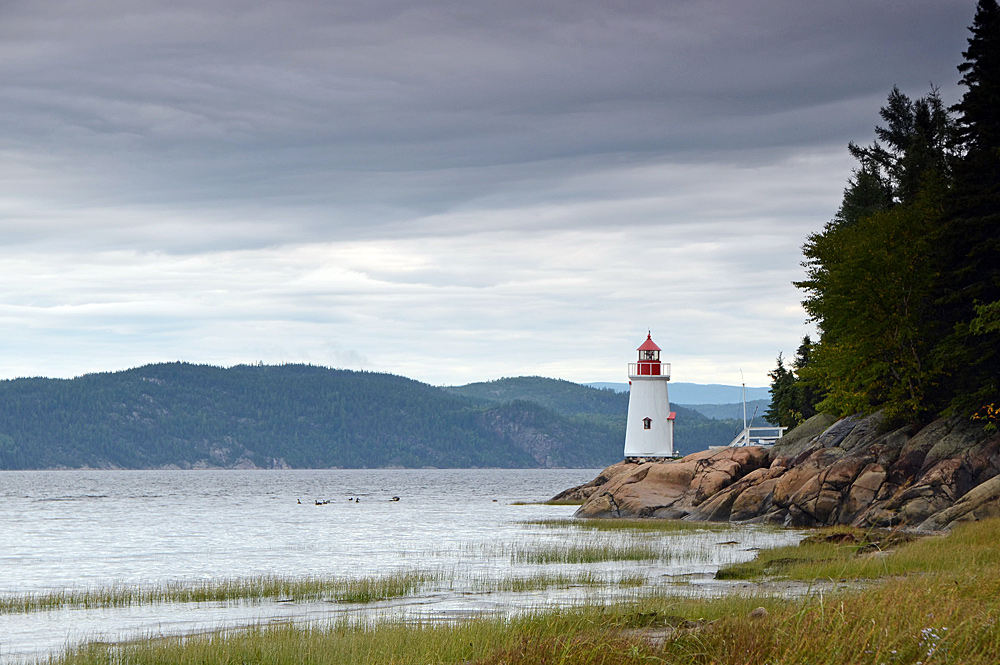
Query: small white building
[(650, 428)]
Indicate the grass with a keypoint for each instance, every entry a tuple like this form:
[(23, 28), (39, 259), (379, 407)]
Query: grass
[(937, 601), (264, 587), (543, 581), (589, 553), (569, 636), (830, 554), (623, 524), (550, 502)]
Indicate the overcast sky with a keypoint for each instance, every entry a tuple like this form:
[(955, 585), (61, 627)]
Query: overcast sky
[(451, 191)]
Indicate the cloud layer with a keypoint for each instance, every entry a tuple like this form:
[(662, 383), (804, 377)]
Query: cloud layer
[(453, 191)]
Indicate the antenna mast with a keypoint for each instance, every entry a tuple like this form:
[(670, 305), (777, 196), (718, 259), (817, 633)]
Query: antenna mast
[(744, 400)]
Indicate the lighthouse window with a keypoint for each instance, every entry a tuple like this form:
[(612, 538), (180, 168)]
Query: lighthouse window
[(647, 423)]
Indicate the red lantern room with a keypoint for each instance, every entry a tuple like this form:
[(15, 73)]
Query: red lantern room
[(649, 358)]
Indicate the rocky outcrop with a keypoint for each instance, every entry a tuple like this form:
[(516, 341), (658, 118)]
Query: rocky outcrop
[(853, 471), (583, 492)]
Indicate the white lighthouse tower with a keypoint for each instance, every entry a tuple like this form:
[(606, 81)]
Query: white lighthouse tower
[(650, 428)]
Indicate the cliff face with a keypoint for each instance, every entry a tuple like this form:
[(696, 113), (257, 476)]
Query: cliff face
[(849, 472)]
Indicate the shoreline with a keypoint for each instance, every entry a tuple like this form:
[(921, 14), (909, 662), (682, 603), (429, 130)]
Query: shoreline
[(904, 606)]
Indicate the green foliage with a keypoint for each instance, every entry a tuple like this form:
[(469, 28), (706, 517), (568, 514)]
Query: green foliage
[(867, 193), (968, 357), (919, 138), (184, 415), (603, 408), (562, 397), (793, 397), (869, 287), (987, 319), (307, 417), (904, 282), (979, 110), (782, 410)]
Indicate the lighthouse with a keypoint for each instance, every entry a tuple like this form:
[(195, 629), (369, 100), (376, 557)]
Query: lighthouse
[(650, 428)]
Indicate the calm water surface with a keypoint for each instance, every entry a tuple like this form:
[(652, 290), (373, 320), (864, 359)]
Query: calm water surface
[(84, 529)]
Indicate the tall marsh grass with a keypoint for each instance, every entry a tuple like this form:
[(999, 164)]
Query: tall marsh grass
[(938, 602), (626, 524), (543, 581), (254, 589), (596, 552)]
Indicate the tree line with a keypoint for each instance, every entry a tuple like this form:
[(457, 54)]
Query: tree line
[(903, 283), (183, 415)]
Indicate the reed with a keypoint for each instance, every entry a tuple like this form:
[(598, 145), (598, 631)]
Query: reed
[(586, 630), (550, 502), (253, 589), (938, 601), (543, 581), (626, 524), (589, 553)]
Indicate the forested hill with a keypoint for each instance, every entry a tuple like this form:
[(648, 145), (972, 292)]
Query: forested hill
[(693, 431), (265, 416), (194, 416), (554, 394)]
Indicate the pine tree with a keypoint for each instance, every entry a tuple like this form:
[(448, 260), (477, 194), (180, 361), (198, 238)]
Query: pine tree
[(807, 394), (918, 139), (781, 412), (969, 253), (793, 399)]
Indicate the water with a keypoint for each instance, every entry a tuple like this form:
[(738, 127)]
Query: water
[(86, 529)]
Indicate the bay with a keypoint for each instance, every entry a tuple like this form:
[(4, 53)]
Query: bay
[(78, 530)]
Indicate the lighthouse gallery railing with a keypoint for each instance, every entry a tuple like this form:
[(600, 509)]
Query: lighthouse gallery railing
[(649, 369)]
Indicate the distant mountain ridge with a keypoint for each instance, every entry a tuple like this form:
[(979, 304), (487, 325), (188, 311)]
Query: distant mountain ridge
[(698, 393), (693, 430), (178, 415), (734, 411), (195, 416)]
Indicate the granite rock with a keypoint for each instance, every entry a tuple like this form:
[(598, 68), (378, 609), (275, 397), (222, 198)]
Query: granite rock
[(853, 471)]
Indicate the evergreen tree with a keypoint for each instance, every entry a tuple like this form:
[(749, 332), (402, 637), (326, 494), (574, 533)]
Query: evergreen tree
[(781, 412), (793, 398), (968, 359), (807, 393), (867, 193), (904, 282), (869, 288), (919, 138)]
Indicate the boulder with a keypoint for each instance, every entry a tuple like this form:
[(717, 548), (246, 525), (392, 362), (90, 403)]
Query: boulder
[(963, 436), (755, 502), (583, 492), (863, 491), (979, 503), (671, 488), (852, 471), (799, 438)]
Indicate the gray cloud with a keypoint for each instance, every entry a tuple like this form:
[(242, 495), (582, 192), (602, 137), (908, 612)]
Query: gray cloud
[(186, 149)]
